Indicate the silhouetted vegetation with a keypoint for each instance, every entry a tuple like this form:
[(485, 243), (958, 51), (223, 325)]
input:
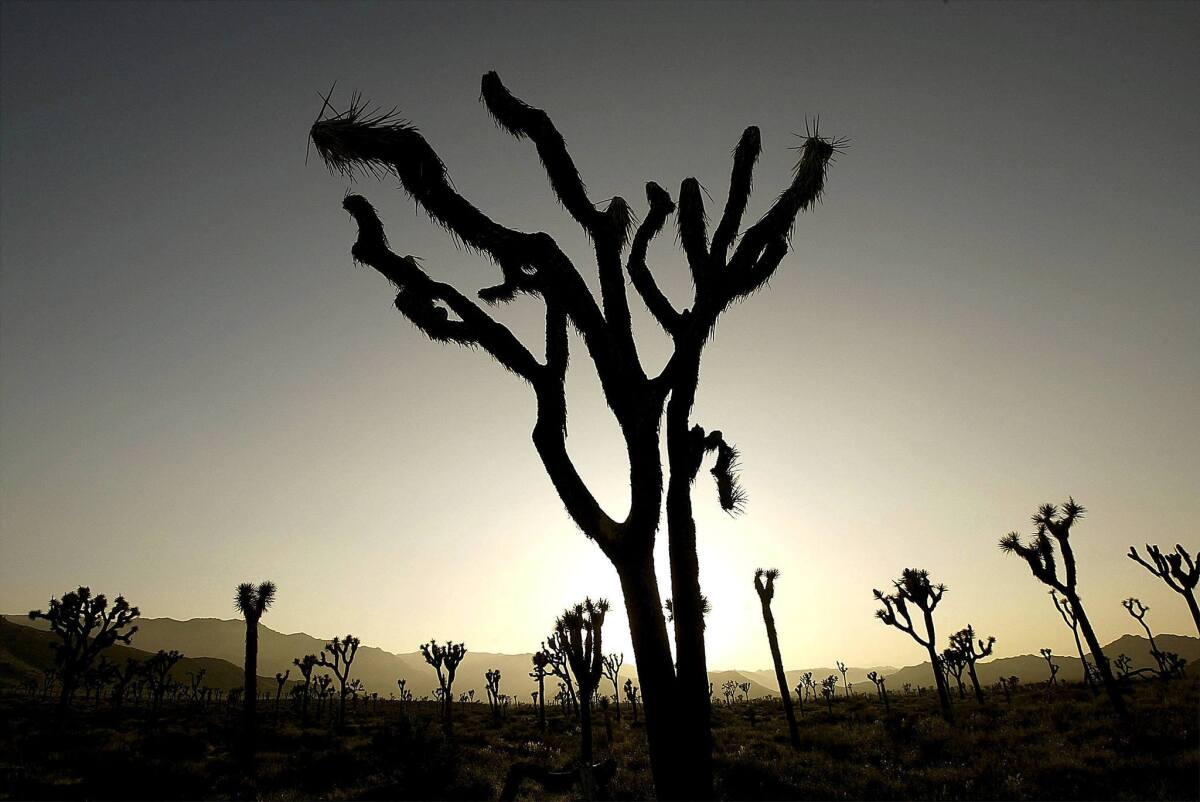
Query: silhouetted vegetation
[(766, 592), (914, 588), (252, 602), (972, 650), (338, 656), (445, 660), (1177, 570)]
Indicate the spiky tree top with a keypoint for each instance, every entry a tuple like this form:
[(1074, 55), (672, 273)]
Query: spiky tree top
[(338, 654), (965, 643), (912, 588), (1176, 568), (580, 628), (86, 625), (253, 601), (765, 590), (1050, 521), (306, 665), (448, 656)]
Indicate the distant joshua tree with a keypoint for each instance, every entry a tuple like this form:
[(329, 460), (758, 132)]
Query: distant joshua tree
[(445, 657), (914, 588), (1169, 663), (580, 629), (124, 679), (725, 269), (306, 665), (744, 687), (540, 661), (1048, 656), (632, 695), (252, 602), (972, 650), (766, 592), (280, 681), (1050, 521), (612, 670), (85, 626), (880, 682), (492, 679), (337, 656), (841, 667), (1178, 570), (158, 674), (810, 685), (1067, 613), (954, 664), (829, 690)]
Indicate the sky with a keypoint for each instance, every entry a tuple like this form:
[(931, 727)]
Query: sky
[(994, 306)]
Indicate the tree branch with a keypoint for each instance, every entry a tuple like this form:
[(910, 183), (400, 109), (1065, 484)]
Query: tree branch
[(661, 206), (740, 182)]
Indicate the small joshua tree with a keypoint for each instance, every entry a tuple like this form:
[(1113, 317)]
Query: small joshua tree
[(954, 664), (914, 588), (85, 626), (580, 630), (124, 679), (841, 667), (306, 665), (1048, 656), (540, 661), (1137, 610), (445, 660), (972, 650), (252, 602), (744, 687), (729, 689), (158, 674), (280, 681), (1178, 570), (1052, 522), (337, 656), (880, 682), (766, 592), (612, 670), (632, 694), (492, 678), (1067, 613), (829, 690), (810, 684), (555, 648), (1122, 663)]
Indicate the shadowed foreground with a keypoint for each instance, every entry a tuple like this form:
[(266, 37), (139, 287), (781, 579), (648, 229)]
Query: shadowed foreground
[(1056, 745)]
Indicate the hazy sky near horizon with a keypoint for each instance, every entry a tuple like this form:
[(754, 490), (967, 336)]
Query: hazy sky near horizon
[(995, 306)]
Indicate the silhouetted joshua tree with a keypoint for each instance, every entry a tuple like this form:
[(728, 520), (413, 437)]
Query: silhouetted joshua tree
[(252, 602), (540, 661), (1048, 656), (829, 690), (555, 648), (306, 665), (766, 592), (954, 664), (612, 670), (580, 629), (445, 660), (493, 691), (1050, 521), (158, 674), (632, 693), (362, 140), (337, 656), (280, 681), (1168, 662), (85, 626), (1067, 613), (1178, 570), (880, 682), (972, 650), (914, 588), (1123, 664), (124, 679), (841, 667)]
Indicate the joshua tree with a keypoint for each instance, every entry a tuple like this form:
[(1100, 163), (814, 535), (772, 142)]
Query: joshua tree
[(1051, 521), (360, 140), (158, 670), (340, 653), (1178, 570), (612, 670), (493, 691), (1048, 656), (953, 665), (766, 592), (580, 629), (306, 665), (810, 685), (914, 588), (252, 602), (829, 690), (1123, 664), (972, 650), (1067, 613), (555, 648), (841, 667), (745, 689), (124, 679), (85, 626), (879, 687), (445, 657), (196, 679), (632, 693), (280, 681), (540, 661)]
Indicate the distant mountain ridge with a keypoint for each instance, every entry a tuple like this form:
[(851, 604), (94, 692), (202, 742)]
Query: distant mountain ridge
[(224, 639)]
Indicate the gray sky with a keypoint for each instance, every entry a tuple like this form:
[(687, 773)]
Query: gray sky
[(995, 306)]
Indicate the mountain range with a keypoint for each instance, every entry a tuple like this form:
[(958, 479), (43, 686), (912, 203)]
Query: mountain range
[(221, 642)]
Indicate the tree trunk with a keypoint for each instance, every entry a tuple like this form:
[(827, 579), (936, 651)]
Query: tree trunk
[(1190, 595), (251, 674), (780, 677), (1106, 677), (975, 682), (585, 729)]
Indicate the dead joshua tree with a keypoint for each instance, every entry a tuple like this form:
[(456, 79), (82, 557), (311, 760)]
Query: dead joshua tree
[(361, 140), (972, 650), (914, 588), (85, 626), (841, 667), (445, 660), (766, 592), (1178, 570), (954, 664), (1048, 656), (340, 653), (1067, 613), (612, 670), (881, 690), (540, 661), (306, 665), (252, 602), (1051, 522)]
